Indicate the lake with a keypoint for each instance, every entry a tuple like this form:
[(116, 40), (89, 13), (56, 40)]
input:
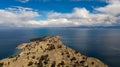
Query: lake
[(100, 43)]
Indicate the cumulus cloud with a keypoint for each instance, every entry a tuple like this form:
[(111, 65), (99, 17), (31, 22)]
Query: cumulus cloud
[(17, 16), (113, 8), (23, 1), (25, 17), (81, 16), (108, 15)]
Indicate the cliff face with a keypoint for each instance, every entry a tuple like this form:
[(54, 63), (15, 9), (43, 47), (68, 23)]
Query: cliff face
[(49, 52)]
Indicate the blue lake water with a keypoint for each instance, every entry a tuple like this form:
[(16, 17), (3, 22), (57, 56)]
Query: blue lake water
[(100, 43)]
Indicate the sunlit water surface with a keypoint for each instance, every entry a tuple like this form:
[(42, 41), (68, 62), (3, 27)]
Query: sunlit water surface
[(100, 43)]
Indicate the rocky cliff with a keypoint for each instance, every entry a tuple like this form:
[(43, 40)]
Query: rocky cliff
[(49, 52)]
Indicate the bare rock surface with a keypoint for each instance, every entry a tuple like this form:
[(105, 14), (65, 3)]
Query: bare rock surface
[(49, 52)]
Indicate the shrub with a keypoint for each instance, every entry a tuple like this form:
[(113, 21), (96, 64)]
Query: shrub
[(44, 57), (68, 56), (92, 63), (62, 63), (30, 63), (33, 57), (51, 47), (82, 62), (59, 46), (53, 64), (40, 64), (73, 59), (12, 56), (76, 52), (1, 64), (45, 62)]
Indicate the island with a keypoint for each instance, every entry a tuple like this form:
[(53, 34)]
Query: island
[(49, 51)]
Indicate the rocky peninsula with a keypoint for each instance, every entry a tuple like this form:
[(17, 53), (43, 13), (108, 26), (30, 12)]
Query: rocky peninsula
[(49, 52)]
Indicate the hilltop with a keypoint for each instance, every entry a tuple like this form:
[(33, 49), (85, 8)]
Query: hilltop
[(49, 52)]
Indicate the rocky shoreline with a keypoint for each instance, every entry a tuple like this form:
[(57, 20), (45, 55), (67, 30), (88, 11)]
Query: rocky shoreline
[(49, 52)]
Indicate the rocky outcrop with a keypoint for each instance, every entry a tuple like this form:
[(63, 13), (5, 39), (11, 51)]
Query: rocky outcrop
[(49, 52)]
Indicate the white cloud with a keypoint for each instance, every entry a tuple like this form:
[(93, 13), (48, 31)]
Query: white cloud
[(112, 1), (25, 17), (113, 8), (108, 15), (77, 13), (17, 16), (81, 16), (23, 1), (52, 23)]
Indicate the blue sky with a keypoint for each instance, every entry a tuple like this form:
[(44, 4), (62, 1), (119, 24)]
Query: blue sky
[(59, 13), (54, 5)]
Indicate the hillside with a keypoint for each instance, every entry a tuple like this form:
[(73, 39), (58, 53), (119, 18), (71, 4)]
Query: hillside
[(49, 52)]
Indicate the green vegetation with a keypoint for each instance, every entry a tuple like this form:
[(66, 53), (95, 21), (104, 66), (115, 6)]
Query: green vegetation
[(84, 57), (62, 53), (44, 57), (73, 59), (61, 64), (76, 52), (1, 64), (45, 62), (82, 62), (40, 64), (51, 47), (11, 56), (59, 46), (92, 63), (33, 57), (8, 63), (30, 63), (68, 56), (53, 64), (67, 52)]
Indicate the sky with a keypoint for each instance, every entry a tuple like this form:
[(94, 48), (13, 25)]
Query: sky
[(59, 13)]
